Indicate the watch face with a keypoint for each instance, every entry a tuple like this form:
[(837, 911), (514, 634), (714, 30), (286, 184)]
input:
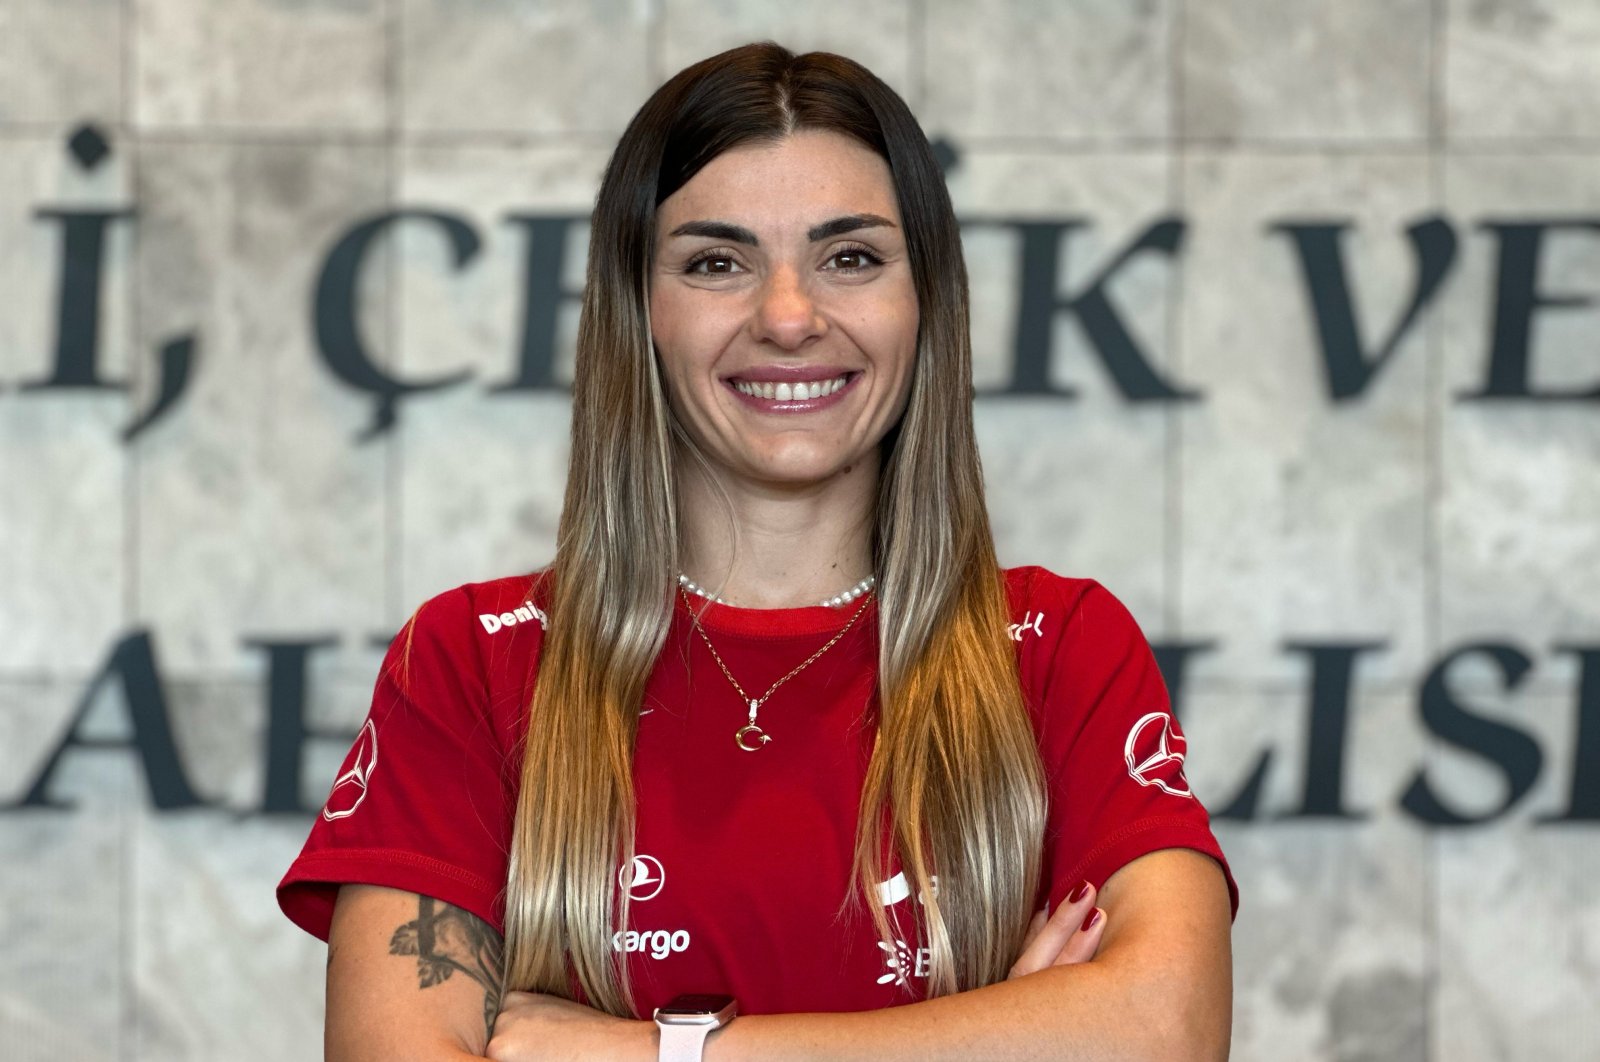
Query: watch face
[(694, 1003)]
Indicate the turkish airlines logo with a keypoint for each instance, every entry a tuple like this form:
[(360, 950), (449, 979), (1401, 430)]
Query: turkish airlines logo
[(1152, 758), (350, 788), (643, 877)]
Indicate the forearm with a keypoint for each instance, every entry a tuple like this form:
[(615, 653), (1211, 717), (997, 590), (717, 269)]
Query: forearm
[(1065, 1013)]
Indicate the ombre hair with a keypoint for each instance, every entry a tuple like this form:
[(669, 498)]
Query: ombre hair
[(954, 774)]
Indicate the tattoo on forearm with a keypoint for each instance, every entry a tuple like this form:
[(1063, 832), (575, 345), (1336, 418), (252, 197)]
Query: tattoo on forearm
[(446, 939)]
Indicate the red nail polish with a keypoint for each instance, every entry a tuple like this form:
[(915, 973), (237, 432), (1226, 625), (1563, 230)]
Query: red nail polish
[(1094, 916), (1079, 893)]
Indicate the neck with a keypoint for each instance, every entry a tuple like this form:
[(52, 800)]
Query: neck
[(780, 546)]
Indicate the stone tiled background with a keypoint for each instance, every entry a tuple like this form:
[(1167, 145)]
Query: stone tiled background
[(249, 134)]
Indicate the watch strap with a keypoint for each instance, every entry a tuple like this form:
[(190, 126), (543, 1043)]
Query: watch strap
[(683, 1043)]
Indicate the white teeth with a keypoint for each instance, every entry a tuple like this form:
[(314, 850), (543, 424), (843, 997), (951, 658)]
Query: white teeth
[(787, 392)]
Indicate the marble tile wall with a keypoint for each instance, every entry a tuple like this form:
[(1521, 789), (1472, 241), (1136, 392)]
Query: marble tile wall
[(62, 437), (1019, 68), (1272, 500), (261, 65), (1519, 492), (258, 466), (61, 61), (517, 67), (1520, 71), (247, 138), (1319, 72)]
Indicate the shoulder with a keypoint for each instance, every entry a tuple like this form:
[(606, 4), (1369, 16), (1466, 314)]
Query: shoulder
[(1032, 585), (492, 630), (1075, 639), (1070, 607), (487, 607)]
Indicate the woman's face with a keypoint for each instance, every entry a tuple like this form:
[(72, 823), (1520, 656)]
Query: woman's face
[(783, 310)]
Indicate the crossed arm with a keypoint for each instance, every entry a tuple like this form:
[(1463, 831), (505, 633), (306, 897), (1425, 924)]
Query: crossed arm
[(1160, 987)]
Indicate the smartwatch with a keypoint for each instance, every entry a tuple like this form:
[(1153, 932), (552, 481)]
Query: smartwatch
[(687, 1020)]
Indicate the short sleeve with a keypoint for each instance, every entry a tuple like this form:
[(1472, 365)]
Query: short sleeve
[(1113, 751), (420, 801)]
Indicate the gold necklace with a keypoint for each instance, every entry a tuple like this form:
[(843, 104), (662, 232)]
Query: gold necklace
[(750, 728)]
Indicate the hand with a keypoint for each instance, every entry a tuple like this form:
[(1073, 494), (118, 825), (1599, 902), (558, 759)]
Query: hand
[(533, 1027), (1061, 939)]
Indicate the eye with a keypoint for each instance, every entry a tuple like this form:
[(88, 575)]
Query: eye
[(861, 259), (718, 262)]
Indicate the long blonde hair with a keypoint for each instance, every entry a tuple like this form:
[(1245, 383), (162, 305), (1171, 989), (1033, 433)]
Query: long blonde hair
[(955, 768)]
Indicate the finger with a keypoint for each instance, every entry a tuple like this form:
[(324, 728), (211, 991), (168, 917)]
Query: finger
[(1056, 932), (1084, 944), (1034, 926)]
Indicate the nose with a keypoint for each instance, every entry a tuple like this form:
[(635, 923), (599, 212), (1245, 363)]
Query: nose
[(785, 313)]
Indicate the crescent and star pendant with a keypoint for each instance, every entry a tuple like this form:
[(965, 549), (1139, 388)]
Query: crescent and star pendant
[(745, 732)]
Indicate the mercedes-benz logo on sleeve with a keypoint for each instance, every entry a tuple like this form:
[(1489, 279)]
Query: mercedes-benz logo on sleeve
[(642, 877), (350, 788), (1155, 754)]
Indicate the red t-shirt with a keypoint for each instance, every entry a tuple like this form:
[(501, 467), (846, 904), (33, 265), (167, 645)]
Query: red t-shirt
[(743, 857)]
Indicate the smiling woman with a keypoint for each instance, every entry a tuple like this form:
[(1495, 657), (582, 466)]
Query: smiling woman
[(778, 737)]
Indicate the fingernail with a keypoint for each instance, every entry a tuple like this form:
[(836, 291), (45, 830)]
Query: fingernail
[(1079, 893), (1094, 916)]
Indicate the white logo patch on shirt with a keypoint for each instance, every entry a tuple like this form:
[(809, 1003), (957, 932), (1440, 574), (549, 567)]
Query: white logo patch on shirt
[(350, 788), (1155, 754), (901, 963), (644, 877), (1030, 622), (526, 612)]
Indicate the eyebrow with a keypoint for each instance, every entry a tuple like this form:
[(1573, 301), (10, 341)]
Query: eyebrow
[(722, 230)]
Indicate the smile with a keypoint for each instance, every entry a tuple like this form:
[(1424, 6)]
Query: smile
[(787, 391)]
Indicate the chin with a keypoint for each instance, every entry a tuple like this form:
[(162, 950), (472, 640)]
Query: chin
[(803, 473)]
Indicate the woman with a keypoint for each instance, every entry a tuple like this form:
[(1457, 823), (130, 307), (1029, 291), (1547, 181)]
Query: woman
[(795, 736)]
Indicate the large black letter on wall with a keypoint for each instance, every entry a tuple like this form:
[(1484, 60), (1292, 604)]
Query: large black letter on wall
[(76, 355), (1328, 730), (334, 312), (542, 296), (1513, 751), (77, 346), (1327, 736), (1349, 367), (286, 722), (1516, 299), (1583, 799), (132, 662), (1039, 302)]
